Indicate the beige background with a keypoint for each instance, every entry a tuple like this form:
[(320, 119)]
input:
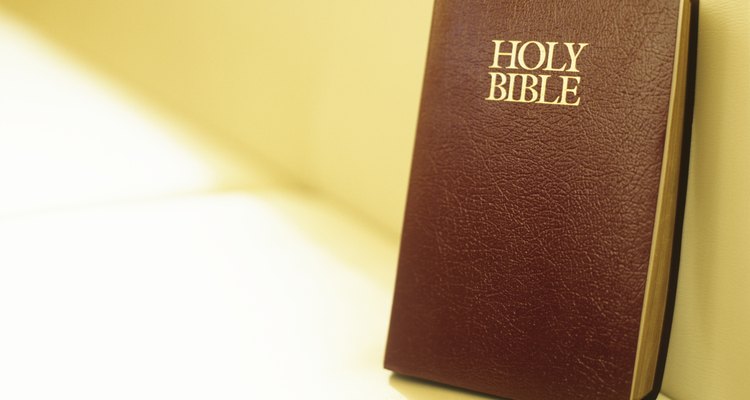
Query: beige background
[(326, 96), (326, 92)]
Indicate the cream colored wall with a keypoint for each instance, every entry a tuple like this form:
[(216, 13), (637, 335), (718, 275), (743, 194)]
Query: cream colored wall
[(709, 357), (328, 92)]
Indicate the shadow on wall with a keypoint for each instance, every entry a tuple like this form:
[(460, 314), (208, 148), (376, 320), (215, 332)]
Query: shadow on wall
[(325, 94)]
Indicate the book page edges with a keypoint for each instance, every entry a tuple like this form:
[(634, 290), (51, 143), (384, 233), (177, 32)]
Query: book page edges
[(657, 281)]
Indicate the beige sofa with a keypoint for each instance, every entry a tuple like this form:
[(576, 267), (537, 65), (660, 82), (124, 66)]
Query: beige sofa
[(230, 229)]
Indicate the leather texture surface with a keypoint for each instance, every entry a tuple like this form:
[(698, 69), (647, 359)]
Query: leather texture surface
[(528, 227)]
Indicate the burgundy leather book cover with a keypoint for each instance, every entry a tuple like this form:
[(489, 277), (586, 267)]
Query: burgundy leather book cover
[(533, 195)]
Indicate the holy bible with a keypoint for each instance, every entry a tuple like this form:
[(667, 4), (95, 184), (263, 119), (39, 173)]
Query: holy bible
[(539, 234)]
